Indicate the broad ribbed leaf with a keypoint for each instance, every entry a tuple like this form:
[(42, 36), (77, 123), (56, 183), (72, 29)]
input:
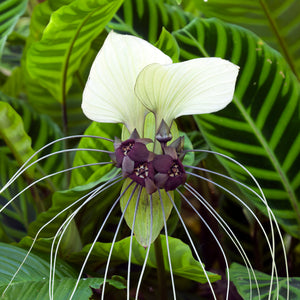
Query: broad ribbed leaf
[(62, 291), (10, 11), (90, 217), (32, 280), (146, 18), (65, 41), (261, 127), (13, 133), (14, 220), (277, 22), (167, 44), (76, 121), (183, 263), (16, 217), (240, 277), (92, 173), (47, 104), (41, 131), (142, 226)]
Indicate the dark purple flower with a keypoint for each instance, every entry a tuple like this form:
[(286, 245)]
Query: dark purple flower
[(170, 172), (135, 150), (142, 172)]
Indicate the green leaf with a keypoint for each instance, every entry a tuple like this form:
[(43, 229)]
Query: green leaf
[(92, 173), (260, 129), (240, 277), (276, 22), (13, 133), (183, 263), (14, 220), (146, 19), (42, 130), (90, 216), (167, 44), (62, 291), (48, 104), (16, 217), (14, 83), (32, 280), (65, 41), (142, 225), (10, 12)]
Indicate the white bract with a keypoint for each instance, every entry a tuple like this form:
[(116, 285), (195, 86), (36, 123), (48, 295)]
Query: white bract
[(130, 77)]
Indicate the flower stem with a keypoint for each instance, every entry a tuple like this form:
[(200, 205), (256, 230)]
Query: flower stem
[(161, 274)]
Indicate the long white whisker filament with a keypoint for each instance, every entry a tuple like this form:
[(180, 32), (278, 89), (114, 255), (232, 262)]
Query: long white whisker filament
[(192, 243), (147, 253), (271, 217), (23, 167), (45, 225), (272, 250), (130, 245), (48, 176), (114, 239), (61, 232), (62, 229), (226, 229), (252, 191), (167, 245), (95, 240)]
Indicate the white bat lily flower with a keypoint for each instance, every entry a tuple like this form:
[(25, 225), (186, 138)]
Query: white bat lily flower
[(130, 77)]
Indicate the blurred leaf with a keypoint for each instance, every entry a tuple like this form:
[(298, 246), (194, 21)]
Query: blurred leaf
[(88, 219), (183, 263), (10, 12), (91, 173), (16, 217), (240, 277), (276, 22), (41, 131), (260, 129), (13, 133), (146, 18), (14, 83), (14, 220), (47, 104), (32, 280), (65, 41)]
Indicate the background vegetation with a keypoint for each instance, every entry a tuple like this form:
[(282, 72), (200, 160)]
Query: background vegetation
[(47, 48)]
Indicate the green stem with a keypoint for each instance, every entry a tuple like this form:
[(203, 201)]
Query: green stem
[(161, 274)]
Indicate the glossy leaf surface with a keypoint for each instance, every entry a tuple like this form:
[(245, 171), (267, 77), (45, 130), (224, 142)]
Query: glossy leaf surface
[(183, 263), (57, 56), (277, 22), (240, 277), (10, 11), (260, 128), (32, 280)]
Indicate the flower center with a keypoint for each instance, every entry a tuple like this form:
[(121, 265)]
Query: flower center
[(127, 148), (174, 170), (142, 170)]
